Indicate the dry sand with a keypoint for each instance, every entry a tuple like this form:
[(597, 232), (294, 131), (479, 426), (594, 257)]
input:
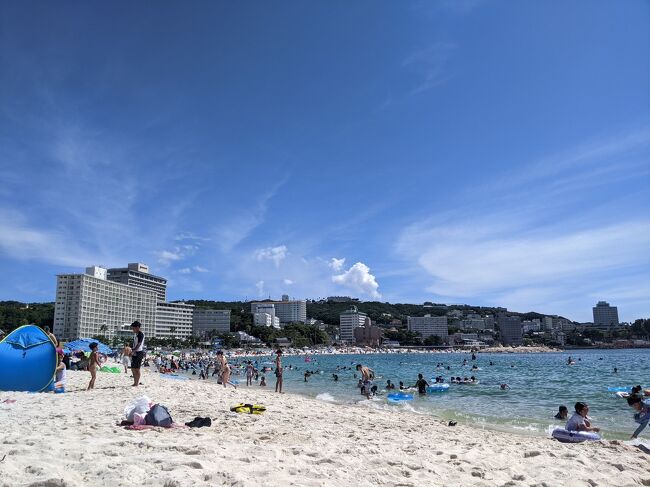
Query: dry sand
[(72, 439)]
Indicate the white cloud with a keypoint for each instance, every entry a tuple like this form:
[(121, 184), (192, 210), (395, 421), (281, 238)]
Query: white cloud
[(359, 279), (198, 268), (288, 282), (260, 288), (429, 65), (336, 264), (165, 257), (275, 254), (185, 270)]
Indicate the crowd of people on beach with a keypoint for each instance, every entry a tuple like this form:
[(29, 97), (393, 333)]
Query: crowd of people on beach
[(207, 365)]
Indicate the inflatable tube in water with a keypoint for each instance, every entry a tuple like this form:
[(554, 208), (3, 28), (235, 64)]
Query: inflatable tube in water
[(399, 397), (27, 360), (564, 436), (438, 388), (619, 389)]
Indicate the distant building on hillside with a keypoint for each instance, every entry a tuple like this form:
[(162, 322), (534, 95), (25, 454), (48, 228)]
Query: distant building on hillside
[(605, 315), (341, 299), (286, 310), (368, 335), (350, 320), (511, 330), (207, 320), (428, 325)]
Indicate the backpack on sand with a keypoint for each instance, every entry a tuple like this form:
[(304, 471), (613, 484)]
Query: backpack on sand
[(158, 415)]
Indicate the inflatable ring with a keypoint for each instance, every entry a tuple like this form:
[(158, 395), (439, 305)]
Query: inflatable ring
[(564, 436), (399, 397), (103, 358)]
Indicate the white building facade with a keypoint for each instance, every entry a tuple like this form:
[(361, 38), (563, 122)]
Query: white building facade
[(90, 305), (348, 321), (428, 325), (286, 311), (173, 320), (605, 315)]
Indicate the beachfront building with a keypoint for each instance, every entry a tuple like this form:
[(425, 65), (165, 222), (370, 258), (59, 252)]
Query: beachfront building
[(173, 320), (265, 315), (91, 305), (287, 311), (137, 275), (605, 315), (511, 330), (206, 320), (368, 335), (348, 321), (428, 325)]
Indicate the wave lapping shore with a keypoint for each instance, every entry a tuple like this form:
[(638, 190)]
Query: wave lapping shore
[(72, 439)]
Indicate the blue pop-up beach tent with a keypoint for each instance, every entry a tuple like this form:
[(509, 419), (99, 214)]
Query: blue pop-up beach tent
[(83, 344), (27, 360)]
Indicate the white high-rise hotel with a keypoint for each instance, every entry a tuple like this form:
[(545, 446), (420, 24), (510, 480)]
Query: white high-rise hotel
[(428, 325), (286, 311), (605, 315), (89, 304), (348, 321)]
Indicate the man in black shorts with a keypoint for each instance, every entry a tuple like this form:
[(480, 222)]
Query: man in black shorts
[(138, 352)]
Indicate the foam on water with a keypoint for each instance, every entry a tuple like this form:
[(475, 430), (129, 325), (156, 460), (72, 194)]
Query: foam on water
[(324, 396)]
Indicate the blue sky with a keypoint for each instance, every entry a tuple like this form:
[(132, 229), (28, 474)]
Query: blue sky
[(491, 153)]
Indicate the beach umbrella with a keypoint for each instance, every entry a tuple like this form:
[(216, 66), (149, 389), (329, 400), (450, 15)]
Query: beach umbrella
[(83, 344)]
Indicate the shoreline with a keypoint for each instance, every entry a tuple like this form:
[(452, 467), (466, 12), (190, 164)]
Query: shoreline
[(73, 440)]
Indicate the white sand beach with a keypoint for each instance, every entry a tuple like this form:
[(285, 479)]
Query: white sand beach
[(72, 439)]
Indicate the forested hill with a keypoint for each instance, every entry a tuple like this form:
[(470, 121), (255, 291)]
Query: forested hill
[(14, 314)]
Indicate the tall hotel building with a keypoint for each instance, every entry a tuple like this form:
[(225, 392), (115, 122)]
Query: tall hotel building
[(605, 315), (89, 304), (428, 325), (174, 320), (137, 275), (348, 321)]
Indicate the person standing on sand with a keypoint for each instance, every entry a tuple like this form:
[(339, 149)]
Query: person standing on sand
[(126, 358), (93, 363), (278, 371), (137, 355)]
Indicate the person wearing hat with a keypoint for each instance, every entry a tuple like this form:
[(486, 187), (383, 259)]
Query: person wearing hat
[(137, 352)]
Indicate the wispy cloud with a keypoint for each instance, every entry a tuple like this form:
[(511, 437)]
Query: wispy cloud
[(547, 243), (230, 233), (429, 65), (178, 253), (336, 264)]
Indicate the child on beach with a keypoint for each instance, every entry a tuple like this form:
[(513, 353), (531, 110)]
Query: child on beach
[(93, 363), (642, 415), (562, 413), (263, 382), (580, 421)]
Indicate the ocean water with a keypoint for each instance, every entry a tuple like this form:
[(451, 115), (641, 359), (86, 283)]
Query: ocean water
[(539, 383)]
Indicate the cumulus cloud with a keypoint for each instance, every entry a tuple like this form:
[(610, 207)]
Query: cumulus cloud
[(336, 264), (260, 288), (275, 254), (359, 279)]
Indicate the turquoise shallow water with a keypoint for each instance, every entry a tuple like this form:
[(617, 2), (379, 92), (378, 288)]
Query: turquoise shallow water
[(539, 383)]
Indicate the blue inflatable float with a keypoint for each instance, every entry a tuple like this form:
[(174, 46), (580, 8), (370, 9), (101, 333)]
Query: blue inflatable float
[(27, 360), (399, 397)]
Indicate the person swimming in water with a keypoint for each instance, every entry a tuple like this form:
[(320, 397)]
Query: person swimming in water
[(562, 413)]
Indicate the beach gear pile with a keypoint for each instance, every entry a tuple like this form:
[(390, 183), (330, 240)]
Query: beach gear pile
[(142, 411)]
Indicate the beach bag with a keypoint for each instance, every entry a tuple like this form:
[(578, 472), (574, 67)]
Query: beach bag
[(138, 406), (158, 415), (248, 408)]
